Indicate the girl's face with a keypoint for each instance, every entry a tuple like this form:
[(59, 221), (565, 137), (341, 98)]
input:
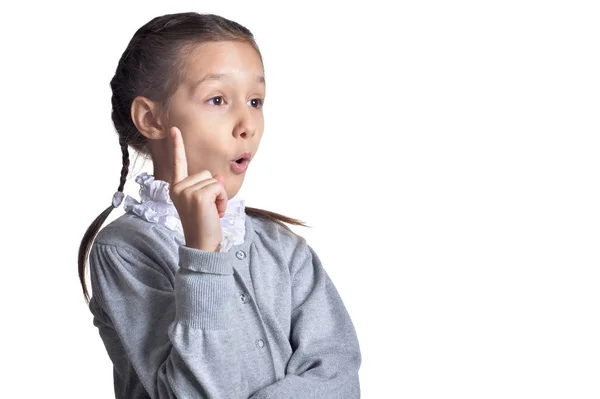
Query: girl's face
[(218, 109)]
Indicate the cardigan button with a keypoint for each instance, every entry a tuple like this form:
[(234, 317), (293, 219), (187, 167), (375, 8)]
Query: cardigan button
[(260, 343), (240, 254), (244, 298)]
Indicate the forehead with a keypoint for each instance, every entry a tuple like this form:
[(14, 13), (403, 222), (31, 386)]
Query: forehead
[(238, 59)]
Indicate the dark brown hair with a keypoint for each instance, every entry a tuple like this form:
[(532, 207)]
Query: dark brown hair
[(152, 66)]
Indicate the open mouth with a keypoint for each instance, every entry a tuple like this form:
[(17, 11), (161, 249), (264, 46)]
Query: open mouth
[(240, 165), (244, 157)]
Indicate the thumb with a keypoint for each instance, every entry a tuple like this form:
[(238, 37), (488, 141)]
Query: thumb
[(221, 207), (219, 178)]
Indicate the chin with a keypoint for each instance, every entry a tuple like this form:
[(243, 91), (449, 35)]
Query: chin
[(232, 192)]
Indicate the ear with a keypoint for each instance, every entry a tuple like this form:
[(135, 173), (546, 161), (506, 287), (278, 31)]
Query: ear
[(146, 117)]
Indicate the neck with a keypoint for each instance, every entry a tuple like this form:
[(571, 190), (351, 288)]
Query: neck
[(162, 164), (160, 175)]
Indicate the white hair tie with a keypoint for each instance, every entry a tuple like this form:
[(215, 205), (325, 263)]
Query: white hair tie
[(117, 198)]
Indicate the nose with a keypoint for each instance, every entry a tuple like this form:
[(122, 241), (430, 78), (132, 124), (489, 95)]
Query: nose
[(246, 126), (244, 130), (244, 135)]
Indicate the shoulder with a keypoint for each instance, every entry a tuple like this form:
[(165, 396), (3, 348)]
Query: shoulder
[(270, 230), (130, 247), (133, 234), (277, 239), (129, 254)]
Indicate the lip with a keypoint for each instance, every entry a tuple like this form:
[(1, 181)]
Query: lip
[(246, 155), (239, 168)]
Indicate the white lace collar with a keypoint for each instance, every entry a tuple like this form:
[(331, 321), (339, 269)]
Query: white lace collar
[(156, 207)]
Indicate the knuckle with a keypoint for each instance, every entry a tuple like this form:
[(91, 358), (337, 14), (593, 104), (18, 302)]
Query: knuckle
[(188, 194), (196, 195), (174, 190), (205, 174)]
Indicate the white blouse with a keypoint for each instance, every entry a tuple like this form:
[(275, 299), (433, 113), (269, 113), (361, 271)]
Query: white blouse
[(156, 207)]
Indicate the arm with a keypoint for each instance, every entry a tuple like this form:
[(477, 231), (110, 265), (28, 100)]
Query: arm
[(326, 355), (181, 340)]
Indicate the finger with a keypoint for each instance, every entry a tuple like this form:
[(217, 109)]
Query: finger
[(180, 171), (221, 180), (221, 199), (190, 190), (194, 179), (218, 194)]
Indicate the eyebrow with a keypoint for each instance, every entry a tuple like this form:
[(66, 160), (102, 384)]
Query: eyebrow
[(221, 76)]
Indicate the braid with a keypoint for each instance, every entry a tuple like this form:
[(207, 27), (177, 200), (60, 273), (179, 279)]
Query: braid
[(125, 168)]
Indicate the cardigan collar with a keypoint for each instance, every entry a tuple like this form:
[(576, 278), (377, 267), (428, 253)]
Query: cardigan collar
[(155, 206)]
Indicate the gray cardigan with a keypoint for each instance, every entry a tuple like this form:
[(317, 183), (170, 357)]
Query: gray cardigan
[(262, 320)]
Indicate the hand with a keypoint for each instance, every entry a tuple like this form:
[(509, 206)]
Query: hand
[(200, 200)]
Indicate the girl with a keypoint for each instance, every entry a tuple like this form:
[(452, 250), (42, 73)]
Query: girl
[(194, 294)]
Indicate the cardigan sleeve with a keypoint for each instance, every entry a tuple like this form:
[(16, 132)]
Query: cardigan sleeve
[(180, 337), (326, 354)]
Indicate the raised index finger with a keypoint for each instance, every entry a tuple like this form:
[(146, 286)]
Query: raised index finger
[(180, 170)]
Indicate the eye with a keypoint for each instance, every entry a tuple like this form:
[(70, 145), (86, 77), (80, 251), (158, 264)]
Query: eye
[(257, 102), (220, 102)]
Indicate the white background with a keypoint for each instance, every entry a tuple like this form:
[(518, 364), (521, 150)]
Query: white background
[(446, 155)]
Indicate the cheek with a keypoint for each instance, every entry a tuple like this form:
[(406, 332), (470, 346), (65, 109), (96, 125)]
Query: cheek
[(194, 115), (211, 147), (260, 124)]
